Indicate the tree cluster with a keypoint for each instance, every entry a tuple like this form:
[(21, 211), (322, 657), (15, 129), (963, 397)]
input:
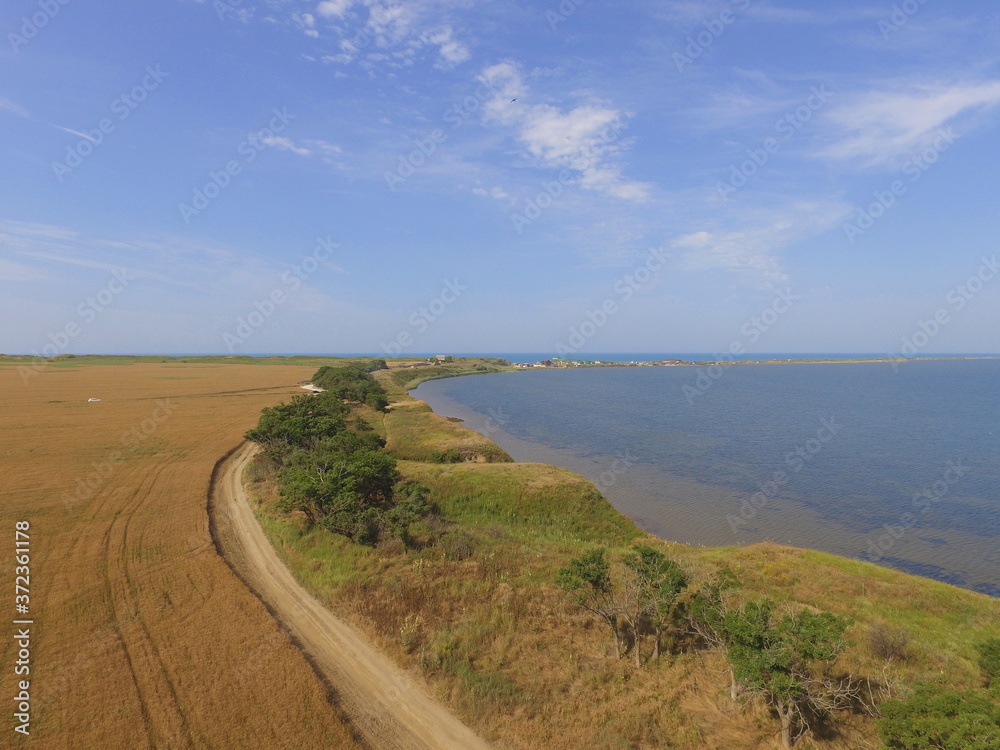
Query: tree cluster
[(933, 718), (339, 479), (782, 658), (352, 383), (641, 605)]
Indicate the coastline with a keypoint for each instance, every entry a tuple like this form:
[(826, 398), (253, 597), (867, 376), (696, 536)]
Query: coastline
[(476, 594), (684, 509)]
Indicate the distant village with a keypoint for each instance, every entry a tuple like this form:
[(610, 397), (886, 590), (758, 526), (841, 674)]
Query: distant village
[(558, 362)]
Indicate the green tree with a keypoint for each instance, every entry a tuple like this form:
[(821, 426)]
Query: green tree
[(351, 383), (587, 579), (344, 483), (298, 424), (777, 660), (706, 614), (652, 584), (410, 504), (936, 719)]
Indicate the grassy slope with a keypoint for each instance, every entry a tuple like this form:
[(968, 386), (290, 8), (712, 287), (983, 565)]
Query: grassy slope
[(476, 613)]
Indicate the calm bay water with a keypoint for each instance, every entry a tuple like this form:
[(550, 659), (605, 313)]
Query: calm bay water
[(899, 466)]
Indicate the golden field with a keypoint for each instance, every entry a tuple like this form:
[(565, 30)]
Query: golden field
[(142, 636)]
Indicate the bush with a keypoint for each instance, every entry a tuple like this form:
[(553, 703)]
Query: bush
[(989, 660), (453, 456), (456, 545), (887, 644), (493, 453), (936, 719)]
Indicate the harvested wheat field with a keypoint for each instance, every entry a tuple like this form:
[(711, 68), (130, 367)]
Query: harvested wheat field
[(142, 636)]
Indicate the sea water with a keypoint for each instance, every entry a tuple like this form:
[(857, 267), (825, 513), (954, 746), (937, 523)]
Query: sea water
[(893, 463)]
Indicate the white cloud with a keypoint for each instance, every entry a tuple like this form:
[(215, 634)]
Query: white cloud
[(390, 22), (398, 31), (752, 251), (334, 8), (307, 22), (744, 252), (496, 192), (881, 127), (77, 133), (452, 51), (282, 143), (585, 139), (306, 147), (6, 105)]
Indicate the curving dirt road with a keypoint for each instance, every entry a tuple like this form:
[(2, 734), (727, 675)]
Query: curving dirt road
[(384, 705)]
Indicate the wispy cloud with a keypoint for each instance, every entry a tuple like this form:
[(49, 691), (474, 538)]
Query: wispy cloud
[(318, 148), (282, 143), (752, 249), (6, 105), (585, 139), (451, 50), (334, 8), (77, 133), (881, 127), (496, 192)]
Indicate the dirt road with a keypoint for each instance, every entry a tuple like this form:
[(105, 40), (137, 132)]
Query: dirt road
[(385, 706)]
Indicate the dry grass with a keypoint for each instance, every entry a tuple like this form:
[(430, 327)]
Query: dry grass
[(476, 613), (143, 638), (415, 432)]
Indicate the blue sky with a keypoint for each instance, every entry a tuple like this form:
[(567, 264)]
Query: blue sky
[(447, 175)]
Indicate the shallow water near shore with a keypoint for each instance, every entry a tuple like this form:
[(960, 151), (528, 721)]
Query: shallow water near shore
[(893, 464)]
